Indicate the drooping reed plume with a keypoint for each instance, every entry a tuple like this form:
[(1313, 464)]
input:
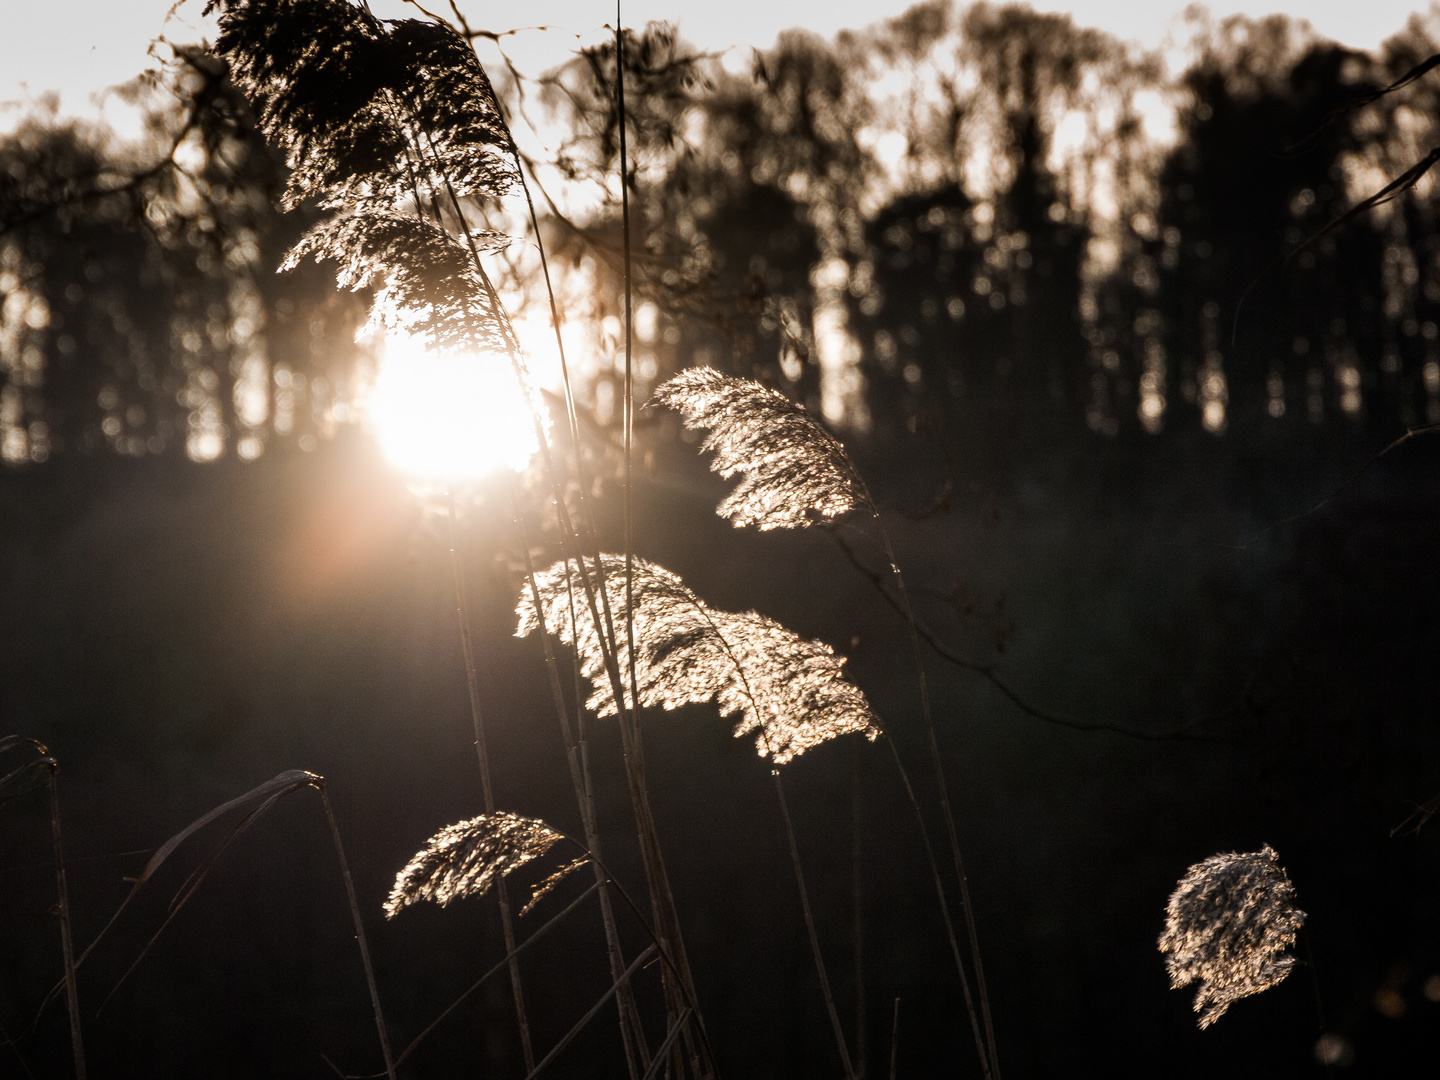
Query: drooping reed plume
[(384, 122), (1227, 926), (789, 690), (367, 112), (794, 471), (466, 858)]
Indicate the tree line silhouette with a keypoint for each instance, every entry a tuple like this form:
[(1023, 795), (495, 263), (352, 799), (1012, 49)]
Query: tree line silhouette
[(984, 216)]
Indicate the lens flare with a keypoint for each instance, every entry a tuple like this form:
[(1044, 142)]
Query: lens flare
[(449, 416)]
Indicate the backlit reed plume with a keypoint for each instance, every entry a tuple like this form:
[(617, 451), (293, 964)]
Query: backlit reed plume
[(787, 689), (424, 279), (365, 110), (794, 471), (544, 888), (384, 121), (466, 858), (1227, 925)]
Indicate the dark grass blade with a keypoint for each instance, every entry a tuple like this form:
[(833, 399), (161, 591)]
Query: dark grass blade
[(18, 781), (193, 883), (283, 784)]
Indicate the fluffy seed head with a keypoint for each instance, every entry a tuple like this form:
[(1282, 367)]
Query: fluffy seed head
[(1227, 925), (795, 472), (789, 690), (466, 858)]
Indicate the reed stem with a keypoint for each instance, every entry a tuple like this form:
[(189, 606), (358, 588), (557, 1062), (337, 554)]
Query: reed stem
[(810, 928), (944, 908), (360, 939), (632, 1033), (952, 833), (67, 941), (857, 907), (895, 1039), (472, 681)]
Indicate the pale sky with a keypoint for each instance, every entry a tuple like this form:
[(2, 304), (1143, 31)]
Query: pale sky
[(79, 47)]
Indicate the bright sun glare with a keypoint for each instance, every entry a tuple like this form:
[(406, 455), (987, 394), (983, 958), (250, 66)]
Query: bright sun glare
[(449, 416)]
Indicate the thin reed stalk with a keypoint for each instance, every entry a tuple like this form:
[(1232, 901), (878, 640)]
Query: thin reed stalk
[(895, 1039), (670, 961), (662, 898), (857, 910), (632, 1033), (590, 1015), (628, 409), (943, 788), (675, 1031), (810, 929), (472, 682), (671, 916), (319, 784), (550, 924), (944, 908), (67, 941)]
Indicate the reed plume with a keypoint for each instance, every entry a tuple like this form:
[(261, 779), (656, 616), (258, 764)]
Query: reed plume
[(381, 120), (787, 689), (466, 858), (795, 473), (366, 111), (425, 282), (1228, 922)]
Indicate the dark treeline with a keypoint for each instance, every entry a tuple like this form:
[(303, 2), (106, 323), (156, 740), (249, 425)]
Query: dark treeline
[(987, 216)]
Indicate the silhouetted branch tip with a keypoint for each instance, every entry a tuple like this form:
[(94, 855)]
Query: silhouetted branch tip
[(1227, 925)]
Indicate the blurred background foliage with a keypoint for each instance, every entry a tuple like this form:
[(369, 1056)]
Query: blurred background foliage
[(985, 215)]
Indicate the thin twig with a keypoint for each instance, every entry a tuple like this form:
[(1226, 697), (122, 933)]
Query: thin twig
[(991, 674), (1410, 433)]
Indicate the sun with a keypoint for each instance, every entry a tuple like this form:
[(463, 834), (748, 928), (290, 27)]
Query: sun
[(449, 417)]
